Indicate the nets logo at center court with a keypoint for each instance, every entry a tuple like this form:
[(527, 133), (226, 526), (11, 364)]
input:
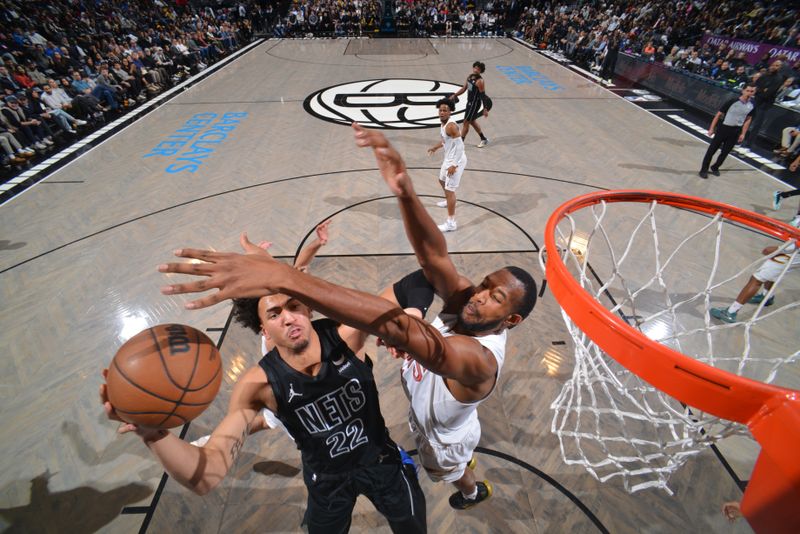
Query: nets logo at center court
[(390, 104)]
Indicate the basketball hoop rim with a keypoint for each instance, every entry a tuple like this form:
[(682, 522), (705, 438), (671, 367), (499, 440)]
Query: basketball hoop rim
[(715, 391)]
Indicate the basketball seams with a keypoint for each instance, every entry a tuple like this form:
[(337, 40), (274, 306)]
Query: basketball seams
[(184, 419), (166, 368), (145, 376), (203, 386), (157, 396), (179, 403), (163, 359)]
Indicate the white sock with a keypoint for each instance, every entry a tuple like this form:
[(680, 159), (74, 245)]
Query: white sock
[(451, 220), (735, 307), (472, 496)]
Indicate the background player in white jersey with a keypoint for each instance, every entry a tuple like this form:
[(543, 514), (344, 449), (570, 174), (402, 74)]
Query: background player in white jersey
[(454, 163), (761, 281), (464, 348)]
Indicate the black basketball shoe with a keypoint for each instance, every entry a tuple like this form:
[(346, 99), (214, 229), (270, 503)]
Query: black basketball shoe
[(459, 502)]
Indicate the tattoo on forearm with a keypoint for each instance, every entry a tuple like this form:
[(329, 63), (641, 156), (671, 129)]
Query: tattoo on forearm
[(236, 448)]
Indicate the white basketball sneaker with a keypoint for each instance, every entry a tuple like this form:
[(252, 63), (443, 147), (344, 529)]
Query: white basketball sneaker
[(442, 203), (448, 226), (483, 143)]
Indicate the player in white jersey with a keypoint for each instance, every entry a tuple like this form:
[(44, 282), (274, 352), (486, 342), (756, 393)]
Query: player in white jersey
[(467, 367), (760, 284), (445, 427), (454, 163)]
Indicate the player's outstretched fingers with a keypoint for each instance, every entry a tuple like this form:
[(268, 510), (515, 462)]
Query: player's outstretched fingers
[(209, 256), (197, 286), (235, 275), (732, 510), (251, 248), (371, 138), (197, 304), (107, 408), (194, 268)]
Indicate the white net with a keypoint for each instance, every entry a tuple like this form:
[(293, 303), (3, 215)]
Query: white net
[(665, 285)]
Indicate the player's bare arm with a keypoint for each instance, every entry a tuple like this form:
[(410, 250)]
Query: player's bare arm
[(308, 253), (452, 130), (355, 339), (427, 241), (240, 275), (459, 92), (200, 469)]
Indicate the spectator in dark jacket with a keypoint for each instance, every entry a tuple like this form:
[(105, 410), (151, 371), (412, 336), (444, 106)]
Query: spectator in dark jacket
[(767, 87), (30, 130)]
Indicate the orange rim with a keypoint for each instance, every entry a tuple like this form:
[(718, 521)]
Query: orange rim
[(694, 383)]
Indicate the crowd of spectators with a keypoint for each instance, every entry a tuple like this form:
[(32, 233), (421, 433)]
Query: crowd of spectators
[(330, 18), (69, 66), (669, 32), (423, 18)]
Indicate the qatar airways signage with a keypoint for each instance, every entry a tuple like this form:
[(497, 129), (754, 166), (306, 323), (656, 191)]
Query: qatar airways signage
[(753, 50)]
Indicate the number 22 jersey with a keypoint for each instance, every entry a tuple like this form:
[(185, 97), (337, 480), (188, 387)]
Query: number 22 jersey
[(334, 417)]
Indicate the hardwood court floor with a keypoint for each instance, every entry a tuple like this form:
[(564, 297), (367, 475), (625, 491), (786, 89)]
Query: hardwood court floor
[(78, 257)]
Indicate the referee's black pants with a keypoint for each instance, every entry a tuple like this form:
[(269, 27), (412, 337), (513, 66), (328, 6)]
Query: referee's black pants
[(726, 138)]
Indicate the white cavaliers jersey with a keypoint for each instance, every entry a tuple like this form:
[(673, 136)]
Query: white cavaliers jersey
[(789, 252), (433, 410), (453, 147)]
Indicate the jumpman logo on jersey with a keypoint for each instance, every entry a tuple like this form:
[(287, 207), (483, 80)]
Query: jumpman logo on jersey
[(292, 393)]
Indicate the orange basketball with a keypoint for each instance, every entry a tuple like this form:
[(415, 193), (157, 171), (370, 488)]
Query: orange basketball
[(164, 376)]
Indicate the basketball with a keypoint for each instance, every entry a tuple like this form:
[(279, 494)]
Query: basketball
[(164, 376)]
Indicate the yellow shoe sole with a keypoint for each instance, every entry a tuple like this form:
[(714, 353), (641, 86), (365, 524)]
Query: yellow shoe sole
[(490, 488)]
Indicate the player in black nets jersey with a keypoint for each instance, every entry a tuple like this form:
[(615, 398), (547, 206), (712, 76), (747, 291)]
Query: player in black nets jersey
[(478, 102), (325, 395)]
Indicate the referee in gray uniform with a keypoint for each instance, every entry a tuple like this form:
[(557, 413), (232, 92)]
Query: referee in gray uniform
[(736, 115)]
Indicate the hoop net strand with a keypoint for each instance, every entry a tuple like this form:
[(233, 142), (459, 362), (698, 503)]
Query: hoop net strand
[(606, 418)]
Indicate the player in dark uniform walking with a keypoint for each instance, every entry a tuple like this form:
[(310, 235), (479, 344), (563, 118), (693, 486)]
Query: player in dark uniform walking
[(325, 395), (477, 101)]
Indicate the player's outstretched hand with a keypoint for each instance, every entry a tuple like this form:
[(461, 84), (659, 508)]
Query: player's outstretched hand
[(234, 275), (322, 232), (110, 412), (394, 352), (252, 248), (732, 511), (390, 163)]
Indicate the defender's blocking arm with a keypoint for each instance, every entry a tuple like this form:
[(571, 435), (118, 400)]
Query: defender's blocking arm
[(427, 241), (255, 275)]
